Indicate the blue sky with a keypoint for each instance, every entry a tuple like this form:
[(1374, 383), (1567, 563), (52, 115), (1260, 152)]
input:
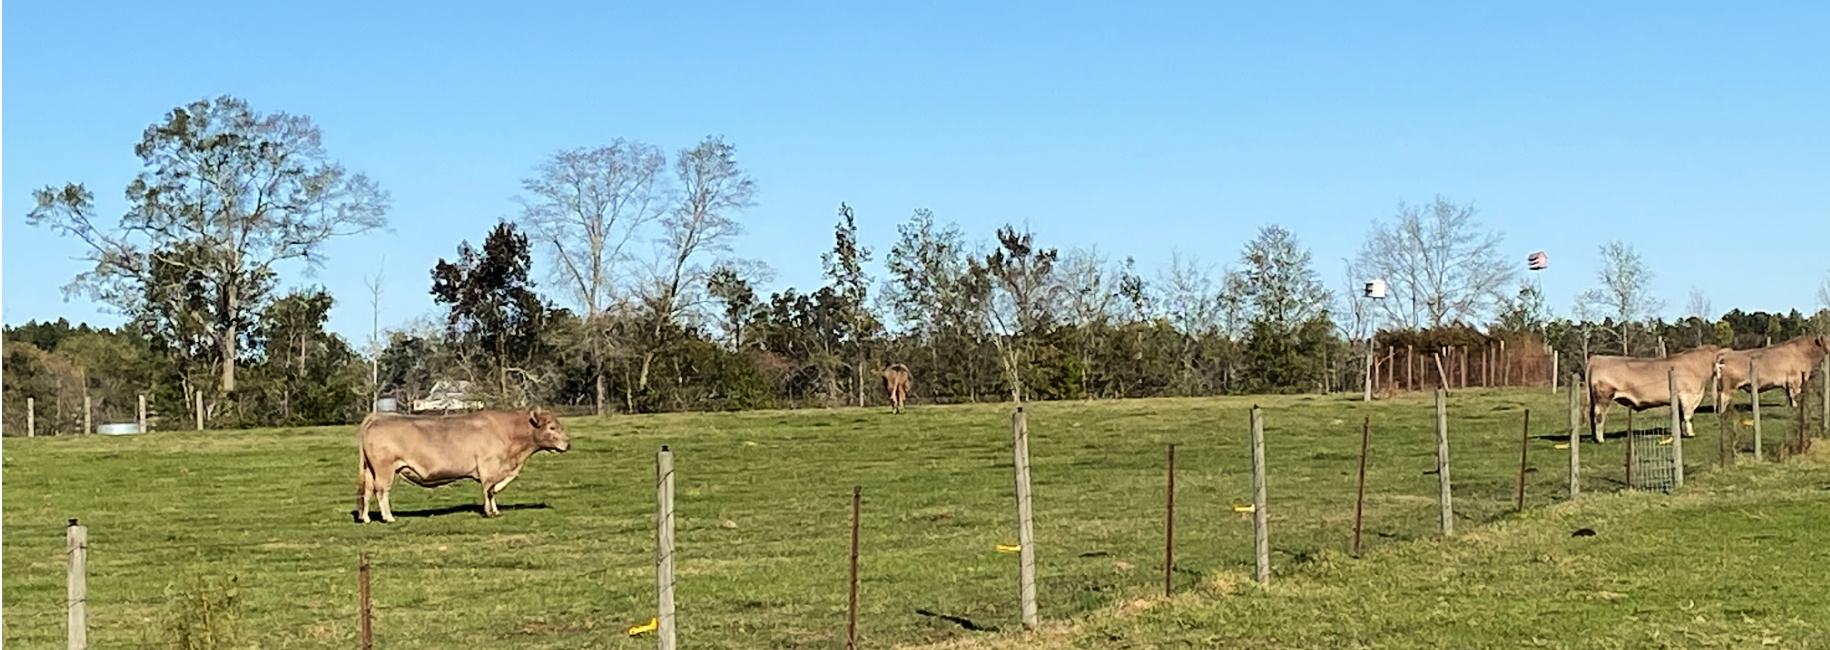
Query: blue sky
[(1695, 131)]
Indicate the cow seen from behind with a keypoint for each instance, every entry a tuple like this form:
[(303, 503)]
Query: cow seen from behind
[(897, 381)]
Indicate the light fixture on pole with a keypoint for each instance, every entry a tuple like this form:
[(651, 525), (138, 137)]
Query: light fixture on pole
[(1375, 290)]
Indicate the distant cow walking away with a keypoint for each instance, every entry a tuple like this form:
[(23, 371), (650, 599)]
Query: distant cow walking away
[(489, 447), (1780, 366), (1640, 384), (897, 381)]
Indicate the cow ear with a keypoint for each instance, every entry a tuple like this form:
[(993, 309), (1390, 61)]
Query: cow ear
[(533, 418)]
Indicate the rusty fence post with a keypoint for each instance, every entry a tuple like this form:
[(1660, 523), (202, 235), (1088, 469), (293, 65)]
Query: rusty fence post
[(1524, 448), (1359, 500), (365, 624), (1169, 527), (851, 613)]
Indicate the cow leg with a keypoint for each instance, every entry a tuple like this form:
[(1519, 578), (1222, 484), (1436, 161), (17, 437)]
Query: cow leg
[(366, 487), (1689, 410), (489, 496), (387, 487), (1598, 415)]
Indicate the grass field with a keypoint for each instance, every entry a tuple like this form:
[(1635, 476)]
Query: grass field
[(763, 500)]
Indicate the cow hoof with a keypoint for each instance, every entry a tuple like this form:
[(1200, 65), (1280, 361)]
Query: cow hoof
[(387, 520)]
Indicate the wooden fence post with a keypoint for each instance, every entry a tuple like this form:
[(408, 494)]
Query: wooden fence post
[(1442, 376), (1359, 499), (1261, 545), (1803, 443), (1575, 441), (31, 417), (76, 550), (88, 416), (664, 547), (1677, 431), (142, 413), (365, 623), (1627, 454), (1366, 382), (1553, 369), (1410, 367), (1464, 366), (851, 614), (1169, 527), (1391, 370), (1505, 365), (1725, 452), (1753, 378), (1026, 552), (1447, 524), (1524, 448), (199, 410), (1823, 378)]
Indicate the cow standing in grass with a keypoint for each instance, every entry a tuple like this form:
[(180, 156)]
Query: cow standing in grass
[(1640, 384), (1781, 366), (897, 381), (489, 447)]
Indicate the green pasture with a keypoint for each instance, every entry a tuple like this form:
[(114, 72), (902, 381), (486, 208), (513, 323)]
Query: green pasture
[(763, 500)]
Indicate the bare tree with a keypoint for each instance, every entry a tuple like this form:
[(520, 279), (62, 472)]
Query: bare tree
[(226, 196), (1188, 297), (1823, 301), (713, 188), (375, 333), (1441, 264), (1823, 291), (587, 207), (1356, 328), (1625, 293), (1088, 296), (1700, 310)]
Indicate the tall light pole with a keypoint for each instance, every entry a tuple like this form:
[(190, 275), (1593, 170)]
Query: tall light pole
[(1375, 290)]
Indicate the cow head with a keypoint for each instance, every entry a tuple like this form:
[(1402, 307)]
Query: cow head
[(547, 431)]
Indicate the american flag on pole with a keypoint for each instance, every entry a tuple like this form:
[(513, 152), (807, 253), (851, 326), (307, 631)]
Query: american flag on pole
[(1537, 261)]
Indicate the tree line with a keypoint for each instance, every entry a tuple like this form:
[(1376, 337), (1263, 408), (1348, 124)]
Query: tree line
[(638, 305)]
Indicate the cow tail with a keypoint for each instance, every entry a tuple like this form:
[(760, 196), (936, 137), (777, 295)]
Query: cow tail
[(363, 471)]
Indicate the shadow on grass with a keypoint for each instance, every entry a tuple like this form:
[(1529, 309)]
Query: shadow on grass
[(1588, 438), (961, 621), (468, 508)]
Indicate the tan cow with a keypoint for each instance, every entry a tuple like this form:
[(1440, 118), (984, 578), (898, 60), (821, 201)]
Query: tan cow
[(1640, 384), (897, 381), (1781, 366), (430, 450)]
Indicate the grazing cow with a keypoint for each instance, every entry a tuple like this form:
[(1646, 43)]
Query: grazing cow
[(487, 446), (897, 381), (1780, 366), (1640, 384)]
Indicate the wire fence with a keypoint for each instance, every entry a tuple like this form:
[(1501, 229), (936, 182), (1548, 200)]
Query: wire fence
[(1649, 464)]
